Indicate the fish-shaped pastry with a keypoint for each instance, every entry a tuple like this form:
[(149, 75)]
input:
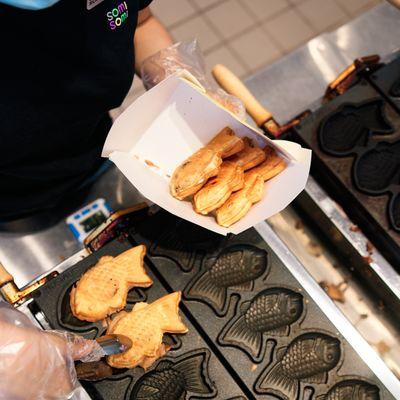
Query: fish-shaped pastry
[(235, 268), (230, 178), (194, 172), (308, 358), (226, 143), (172, 380), (272, 166), (351, 125), (250, 156), (271, 312), (240, 202), (103, 289), (145, 326), (217, 190), (352, 389)]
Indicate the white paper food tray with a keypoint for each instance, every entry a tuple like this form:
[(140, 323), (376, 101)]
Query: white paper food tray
[(169, 123)]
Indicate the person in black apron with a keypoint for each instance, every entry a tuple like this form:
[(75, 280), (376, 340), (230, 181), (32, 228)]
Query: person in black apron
[(64, 65)]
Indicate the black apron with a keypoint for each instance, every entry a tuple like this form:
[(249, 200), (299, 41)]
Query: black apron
[(61, 70)]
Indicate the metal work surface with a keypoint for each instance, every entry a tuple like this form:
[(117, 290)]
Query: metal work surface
[(298, 80), (28, 255)]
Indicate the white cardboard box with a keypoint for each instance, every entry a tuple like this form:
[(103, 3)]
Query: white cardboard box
[(170, 122)]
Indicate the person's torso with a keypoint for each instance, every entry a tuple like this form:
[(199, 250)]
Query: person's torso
[(62, 69)]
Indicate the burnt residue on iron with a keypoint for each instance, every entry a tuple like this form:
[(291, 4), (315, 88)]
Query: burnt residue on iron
[(269, 314), (351, 125), (175, 379), (394, 212), (235, 268), (308, 358), (376, 170), (352, 389)]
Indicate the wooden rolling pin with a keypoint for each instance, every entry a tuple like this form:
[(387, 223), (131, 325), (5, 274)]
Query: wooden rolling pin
[(234, 86)]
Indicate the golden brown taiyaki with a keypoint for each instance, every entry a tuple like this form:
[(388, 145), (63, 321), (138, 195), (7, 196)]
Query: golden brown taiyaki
[(194, 172), (226, 143), (217, 190), (145, 326), (103, 289), (239, 203), (250, 156), (272, 166)]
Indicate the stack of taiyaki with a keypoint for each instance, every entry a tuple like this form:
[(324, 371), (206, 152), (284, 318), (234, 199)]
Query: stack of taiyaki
[(214, 177), (102, 291)]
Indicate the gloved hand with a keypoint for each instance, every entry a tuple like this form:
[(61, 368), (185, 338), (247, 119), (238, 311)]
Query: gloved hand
[(188, 56), (36, 364)]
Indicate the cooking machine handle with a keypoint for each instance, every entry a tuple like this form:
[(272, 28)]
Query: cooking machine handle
[(5, 276), (234, 86)]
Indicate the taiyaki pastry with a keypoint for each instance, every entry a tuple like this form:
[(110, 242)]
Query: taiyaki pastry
[(145, 326), (218, 189), (250, 156), (272, 166), (240, 202), (226, 143), (194, 172), (103, 289)]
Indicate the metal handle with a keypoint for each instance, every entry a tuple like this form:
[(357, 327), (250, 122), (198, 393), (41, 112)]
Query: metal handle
[(5, 276), (233, 85)]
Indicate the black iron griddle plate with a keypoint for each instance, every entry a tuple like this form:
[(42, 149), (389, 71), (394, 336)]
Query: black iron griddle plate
[(387, 80), (190, 363), (254, 314), (355, 140)]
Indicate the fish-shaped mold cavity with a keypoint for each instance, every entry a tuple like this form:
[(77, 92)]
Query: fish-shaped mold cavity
[(351, 125), (394, 212), (352, 389), (185, 244), (308, 358), (235, 268), (269, 314), (378, 168), (175, 379)]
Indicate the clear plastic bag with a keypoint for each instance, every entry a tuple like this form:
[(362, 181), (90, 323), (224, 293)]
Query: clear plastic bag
[(188, 56), (36, 364)]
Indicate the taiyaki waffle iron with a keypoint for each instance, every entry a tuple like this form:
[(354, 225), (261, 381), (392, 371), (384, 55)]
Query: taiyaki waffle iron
[(355, 140), (387, 81), (254, 314), (190, 369)]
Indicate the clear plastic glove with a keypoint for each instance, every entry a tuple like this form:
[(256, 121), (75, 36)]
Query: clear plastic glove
[(187, 55), (36, 364)]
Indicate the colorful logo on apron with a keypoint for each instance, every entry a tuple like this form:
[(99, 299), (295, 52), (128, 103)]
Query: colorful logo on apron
[(117, 16)]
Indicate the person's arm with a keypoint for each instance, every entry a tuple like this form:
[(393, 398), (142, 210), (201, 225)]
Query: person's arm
[(150, 37), (396, 3)]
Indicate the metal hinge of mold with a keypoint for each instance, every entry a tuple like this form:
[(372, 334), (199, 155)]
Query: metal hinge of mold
[(360, 67)]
